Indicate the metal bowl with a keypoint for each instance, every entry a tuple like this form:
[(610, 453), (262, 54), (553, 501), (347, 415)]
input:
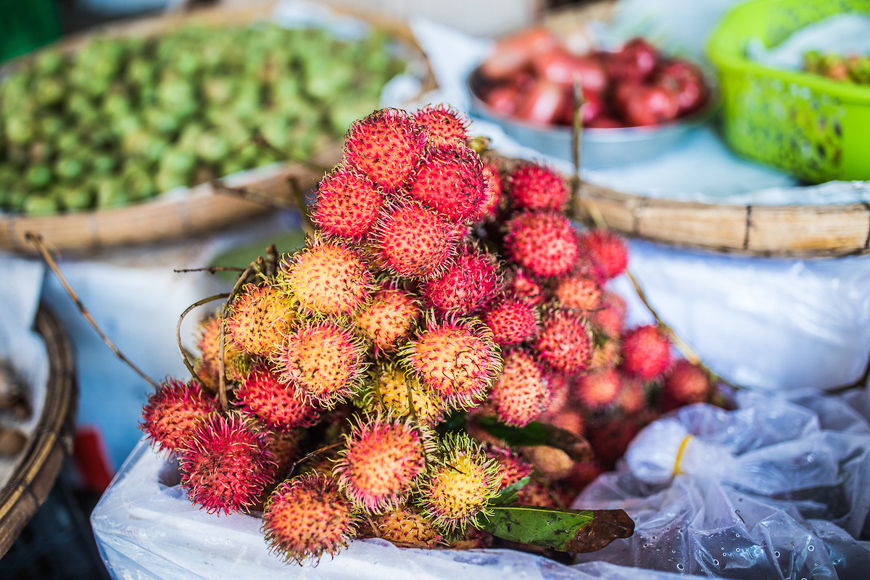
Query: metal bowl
[(601, 147)]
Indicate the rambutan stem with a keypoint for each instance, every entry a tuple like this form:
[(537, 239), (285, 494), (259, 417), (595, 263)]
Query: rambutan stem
[(222, 380), (36, 240), (576, 140), (181, 349), (297, 203), (312, 454), (260, 140), (209, 269)]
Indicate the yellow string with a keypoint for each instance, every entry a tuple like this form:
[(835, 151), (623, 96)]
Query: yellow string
[(677, 470)]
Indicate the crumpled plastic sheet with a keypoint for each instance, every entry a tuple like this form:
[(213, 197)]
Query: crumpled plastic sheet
[(776, 489), (147, 529)]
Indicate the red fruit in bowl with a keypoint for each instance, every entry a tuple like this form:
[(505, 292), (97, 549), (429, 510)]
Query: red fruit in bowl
[(604, 122), (541, 104), (593, 107), (512, 54), (686, 82), (562, 67), (635, 61), (649, 106), (502, 99)]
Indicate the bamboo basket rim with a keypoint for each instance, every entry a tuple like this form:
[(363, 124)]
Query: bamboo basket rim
[(52, 439)]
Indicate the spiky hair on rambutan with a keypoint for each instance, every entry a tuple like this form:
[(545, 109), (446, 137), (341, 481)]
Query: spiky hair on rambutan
[(308, 516), (578, 292), (388, 318), (274, 403), (542, 242), (537, 187), (380, 462), (226, 463), (646, 352), (607, 251), (411, 241), (445, 126), (173, 411), (258, 319), (521, 392), (455, 358), (467, 286), (565, 342), (347, 205), (392, 387), (520, 283), (512, 321), (459, 484), (326, 278), (386, 147), (406, 526), (598, 390), (450, 182), (324, 361)]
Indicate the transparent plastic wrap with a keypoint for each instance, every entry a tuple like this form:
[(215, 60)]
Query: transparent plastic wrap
[(775, 489)]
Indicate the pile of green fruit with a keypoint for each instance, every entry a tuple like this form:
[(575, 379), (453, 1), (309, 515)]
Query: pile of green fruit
[(123, 119)]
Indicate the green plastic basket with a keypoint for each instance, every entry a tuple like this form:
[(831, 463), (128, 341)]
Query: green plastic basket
[(805, 124)]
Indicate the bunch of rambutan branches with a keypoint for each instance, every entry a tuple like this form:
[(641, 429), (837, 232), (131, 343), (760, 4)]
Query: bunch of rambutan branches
[(424, 370)]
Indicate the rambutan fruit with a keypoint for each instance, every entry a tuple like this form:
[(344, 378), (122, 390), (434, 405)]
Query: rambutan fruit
[(444, 125), (450, 182), (347, 205), (610, 437), (610, 318), (386, 147), (393, 387), (578, 292), (607, 250), (171, 413), (598, 390), (458, 360), (560, 392), (520, 393), (607, 354), (380, 463), (307, 516), (511, 467), (388, 319), (258, 319), (324, 361), (459, 484), (538, 494), (226, 463), (408, 527), (565, 342), (632, 395), (685, 384), (274, 403), (472, 539), (492, 192), (414, 242), (326, 278), (237, 364), (646, 352), (550, 461), (567, 418), (512, 321), (544, 243), (537, 187), (468, 285), (522, 285)]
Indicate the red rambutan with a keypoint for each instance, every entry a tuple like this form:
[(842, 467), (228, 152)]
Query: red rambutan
[(492, 192), (388, 318), (512, 321), (347, 205), (685, 384), (468, 285), (632, 395), (171, 413), (598, 390), (646, 352), (511, 467), (578, 292), (386, 147), (306, 517), (450, 182), (521, 391), (258, 319), (607, 250), (565, 342), (414, 242), (444, 125), (277, 405), (226, 463), (542, 242), (536, 187), (408, 527), (521, 284), (610, 318)]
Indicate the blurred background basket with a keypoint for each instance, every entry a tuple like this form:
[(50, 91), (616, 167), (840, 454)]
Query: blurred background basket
[(803, 123)]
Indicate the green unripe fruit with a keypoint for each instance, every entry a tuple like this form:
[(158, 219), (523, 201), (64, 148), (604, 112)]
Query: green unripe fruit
[(37, 205)]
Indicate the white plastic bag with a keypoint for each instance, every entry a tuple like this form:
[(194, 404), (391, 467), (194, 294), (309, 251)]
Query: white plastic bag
[(775, 489)]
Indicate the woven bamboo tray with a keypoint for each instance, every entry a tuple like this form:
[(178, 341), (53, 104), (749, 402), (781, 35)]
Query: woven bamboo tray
[(51, 442), (203, 209)]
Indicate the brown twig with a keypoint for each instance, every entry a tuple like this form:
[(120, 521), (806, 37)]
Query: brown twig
[(209, 269), (576, 140), (222, 381), (297, 203), (187, 310), (312, 454), (36, 240), (260, 140)]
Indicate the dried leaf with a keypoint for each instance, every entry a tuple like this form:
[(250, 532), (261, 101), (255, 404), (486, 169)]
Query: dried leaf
[(536, 433), (561, 530)]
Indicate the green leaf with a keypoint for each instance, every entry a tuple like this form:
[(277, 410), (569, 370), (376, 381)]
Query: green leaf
[(536, 433), (508, 495), (562, 530)]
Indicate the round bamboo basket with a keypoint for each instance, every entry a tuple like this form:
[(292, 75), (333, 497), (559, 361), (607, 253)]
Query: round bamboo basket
[(205, 208), (51, 443)]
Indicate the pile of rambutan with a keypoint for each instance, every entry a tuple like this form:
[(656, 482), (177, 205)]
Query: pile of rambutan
[(387, 380)]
